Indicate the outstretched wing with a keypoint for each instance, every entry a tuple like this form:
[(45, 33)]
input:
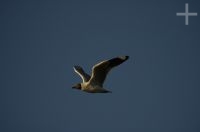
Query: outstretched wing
[(79, 70), (100, 70)]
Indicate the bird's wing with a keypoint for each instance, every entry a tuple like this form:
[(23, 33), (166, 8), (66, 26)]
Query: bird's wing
[(79, 70), (100, 70)]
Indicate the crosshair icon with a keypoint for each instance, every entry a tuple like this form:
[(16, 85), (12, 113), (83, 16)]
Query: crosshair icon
[(186, 14)]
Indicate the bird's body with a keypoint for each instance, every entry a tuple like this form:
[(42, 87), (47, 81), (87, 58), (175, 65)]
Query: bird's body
[(93, 88), (94, 84), (90, 88)]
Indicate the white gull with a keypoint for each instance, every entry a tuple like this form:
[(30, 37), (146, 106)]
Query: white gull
[(94, 84)]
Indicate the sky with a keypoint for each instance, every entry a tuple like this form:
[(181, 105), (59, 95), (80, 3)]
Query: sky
[(156, 90)]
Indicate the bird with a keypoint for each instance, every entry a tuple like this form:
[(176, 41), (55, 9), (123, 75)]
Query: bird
[(94, 83)]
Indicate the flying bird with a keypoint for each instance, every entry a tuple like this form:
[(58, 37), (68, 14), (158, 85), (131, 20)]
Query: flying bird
[(94, 83)]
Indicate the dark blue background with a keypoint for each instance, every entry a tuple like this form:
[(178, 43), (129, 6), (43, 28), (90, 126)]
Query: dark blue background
[(156, 90)]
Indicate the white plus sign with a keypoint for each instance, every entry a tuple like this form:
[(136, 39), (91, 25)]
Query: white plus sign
[(186, 14)]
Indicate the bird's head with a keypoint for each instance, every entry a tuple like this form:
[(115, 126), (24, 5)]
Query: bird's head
[(77, 86)]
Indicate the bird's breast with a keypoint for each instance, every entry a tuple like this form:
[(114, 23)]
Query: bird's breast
[(93, 89)]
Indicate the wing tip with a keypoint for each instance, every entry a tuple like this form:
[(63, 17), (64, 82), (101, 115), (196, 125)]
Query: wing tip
[(76, 67), (124, 57)]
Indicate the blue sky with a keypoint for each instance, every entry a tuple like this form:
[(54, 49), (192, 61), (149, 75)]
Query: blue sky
[(156, 90)]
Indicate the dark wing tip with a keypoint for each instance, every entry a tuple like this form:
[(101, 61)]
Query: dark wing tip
[(124, 57), (127, 57), (77, 67)]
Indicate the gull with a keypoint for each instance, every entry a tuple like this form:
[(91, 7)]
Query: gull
[(94, 83)]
